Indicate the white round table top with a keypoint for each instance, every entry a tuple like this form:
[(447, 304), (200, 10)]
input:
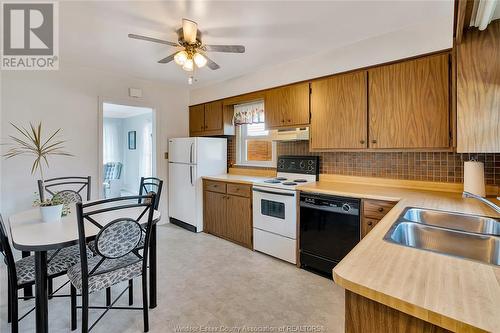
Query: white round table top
[(30, 233)]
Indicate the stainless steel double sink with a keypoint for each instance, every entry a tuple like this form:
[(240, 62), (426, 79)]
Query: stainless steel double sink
[(466, 236)]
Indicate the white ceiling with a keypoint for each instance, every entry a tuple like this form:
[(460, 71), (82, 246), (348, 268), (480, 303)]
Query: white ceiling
[(94, 33), (123, 111)]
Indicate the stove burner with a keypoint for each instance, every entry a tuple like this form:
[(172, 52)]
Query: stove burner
[(272, 181), (289, 183), (280, 178), (301, 180)]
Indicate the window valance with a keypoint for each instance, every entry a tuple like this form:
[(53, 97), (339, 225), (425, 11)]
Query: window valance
[(249, 113)]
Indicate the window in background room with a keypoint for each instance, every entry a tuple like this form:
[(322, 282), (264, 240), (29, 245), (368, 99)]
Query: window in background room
[(254, 146)]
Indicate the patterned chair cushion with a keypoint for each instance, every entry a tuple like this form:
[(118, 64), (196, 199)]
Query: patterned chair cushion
[(109, 273), (64, 259), (67, 197), (92, 248), (118, 238)]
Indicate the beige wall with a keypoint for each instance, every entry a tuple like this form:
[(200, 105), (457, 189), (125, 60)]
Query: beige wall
[(69, 99)]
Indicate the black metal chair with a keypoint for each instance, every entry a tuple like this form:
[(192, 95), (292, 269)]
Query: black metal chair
[(151, 185), (21, 273), (118, 259), (68, 190)]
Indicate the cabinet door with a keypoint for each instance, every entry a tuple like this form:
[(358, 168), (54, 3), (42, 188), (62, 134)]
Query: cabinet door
[(409, 104), (196, 119), (213, 116), (338, 112), (239, 220), (367, 225), (214, 213), (478, 91), (287, 106)]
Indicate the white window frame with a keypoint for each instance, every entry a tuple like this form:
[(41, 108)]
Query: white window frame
[(241, 149)]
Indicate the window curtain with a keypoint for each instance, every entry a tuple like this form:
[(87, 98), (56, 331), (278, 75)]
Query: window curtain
[(111, 138), (146, 165), (249, 113)]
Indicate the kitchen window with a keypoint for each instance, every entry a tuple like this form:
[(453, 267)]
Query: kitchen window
[(254, 146)]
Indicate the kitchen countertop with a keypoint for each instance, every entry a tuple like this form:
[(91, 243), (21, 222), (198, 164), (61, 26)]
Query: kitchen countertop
[(233, 178), (458, 294)]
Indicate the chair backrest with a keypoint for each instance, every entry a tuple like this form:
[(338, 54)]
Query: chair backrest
[(67, 189), (117, 237), (151, 185), (112, 170), (6, 251)]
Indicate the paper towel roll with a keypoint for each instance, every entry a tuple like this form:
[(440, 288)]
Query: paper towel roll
[(474, 178)]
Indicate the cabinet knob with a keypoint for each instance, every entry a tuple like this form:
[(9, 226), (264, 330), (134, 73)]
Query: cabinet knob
[(289, 120), (282, 120), (381, 209), (374, 141), (362, 142), (370, 223)]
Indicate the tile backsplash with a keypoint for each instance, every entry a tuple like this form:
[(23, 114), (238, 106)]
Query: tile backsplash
[(427, 166)]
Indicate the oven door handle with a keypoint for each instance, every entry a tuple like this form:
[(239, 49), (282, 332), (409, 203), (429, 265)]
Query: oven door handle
[(272, 192)]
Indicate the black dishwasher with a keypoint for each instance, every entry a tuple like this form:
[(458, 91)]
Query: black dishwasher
[(329, 229)]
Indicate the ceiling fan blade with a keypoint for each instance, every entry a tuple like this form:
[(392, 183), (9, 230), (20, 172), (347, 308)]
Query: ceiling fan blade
[(167, 59), (189, 29), (224, 48), (211, 64), (151, 39)]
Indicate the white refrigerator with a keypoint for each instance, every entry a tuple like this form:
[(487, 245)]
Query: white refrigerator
[(189, 160)]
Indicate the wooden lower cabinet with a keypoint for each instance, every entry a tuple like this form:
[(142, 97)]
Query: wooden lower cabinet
[(239, 220), (373, 211), (214, 213), (364, 315), (227, 211)]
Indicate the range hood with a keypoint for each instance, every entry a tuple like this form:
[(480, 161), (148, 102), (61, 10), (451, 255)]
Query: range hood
[(291, 134)]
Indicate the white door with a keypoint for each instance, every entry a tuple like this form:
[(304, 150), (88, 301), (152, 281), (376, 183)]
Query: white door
[(274, 210), (182, 150), (182, 192)]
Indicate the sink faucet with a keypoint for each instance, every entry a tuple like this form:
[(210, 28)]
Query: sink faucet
[(483, 200)]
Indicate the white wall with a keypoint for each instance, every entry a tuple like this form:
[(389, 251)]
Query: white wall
[(69, 99), (132, 158), (408, 42)]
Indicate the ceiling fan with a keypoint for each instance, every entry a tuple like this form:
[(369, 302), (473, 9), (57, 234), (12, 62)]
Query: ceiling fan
[(193, 53)]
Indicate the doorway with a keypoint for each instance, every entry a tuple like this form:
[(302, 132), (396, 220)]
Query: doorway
[(128, 148)]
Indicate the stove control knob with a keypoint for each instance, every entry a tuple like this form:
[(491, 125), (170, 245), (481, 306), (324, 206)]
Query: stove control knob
[(346, 207)]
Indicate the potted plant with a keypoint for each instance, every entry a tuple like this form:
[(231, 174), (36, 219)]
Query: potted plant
[(51, 210), (30, 142)]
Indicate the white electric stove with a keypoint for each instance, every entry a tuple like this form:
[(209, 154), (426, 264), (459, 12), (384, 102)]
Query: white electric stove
[(275, 203)]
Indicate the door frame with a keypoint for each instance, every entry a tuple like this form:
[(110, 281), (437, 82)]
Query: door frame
[(129, 102)]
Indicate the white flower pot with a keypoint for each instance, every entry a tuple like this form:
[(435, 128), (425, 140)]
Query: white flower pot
[(51, 213)]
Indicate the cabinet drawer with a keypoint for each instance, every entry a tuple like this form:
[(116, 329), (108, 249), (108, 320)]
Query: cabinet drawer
[(367, 225), (214, 186), (376, 209), (239, 189)]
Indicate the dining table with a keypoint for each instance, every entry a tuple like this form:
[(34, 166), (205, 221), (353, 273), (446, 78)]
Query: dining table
[(30, 233)]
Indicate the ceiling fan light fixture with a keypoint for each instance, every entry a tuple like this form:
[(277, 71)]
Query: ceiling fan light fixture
[(188, 65), (181, 57), (199, 60)]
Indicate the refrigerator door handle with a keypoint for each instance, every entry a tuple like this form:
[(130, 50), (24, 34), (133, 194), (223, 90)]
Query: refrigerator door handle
[(191, 174), (191, 153)]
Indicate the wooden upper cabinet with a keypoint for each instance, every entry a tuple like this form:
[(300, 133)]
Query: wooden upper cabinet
[(338, 112), (287, 106), (213, 116), (409, 104), (196, 118), (478, 91)]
